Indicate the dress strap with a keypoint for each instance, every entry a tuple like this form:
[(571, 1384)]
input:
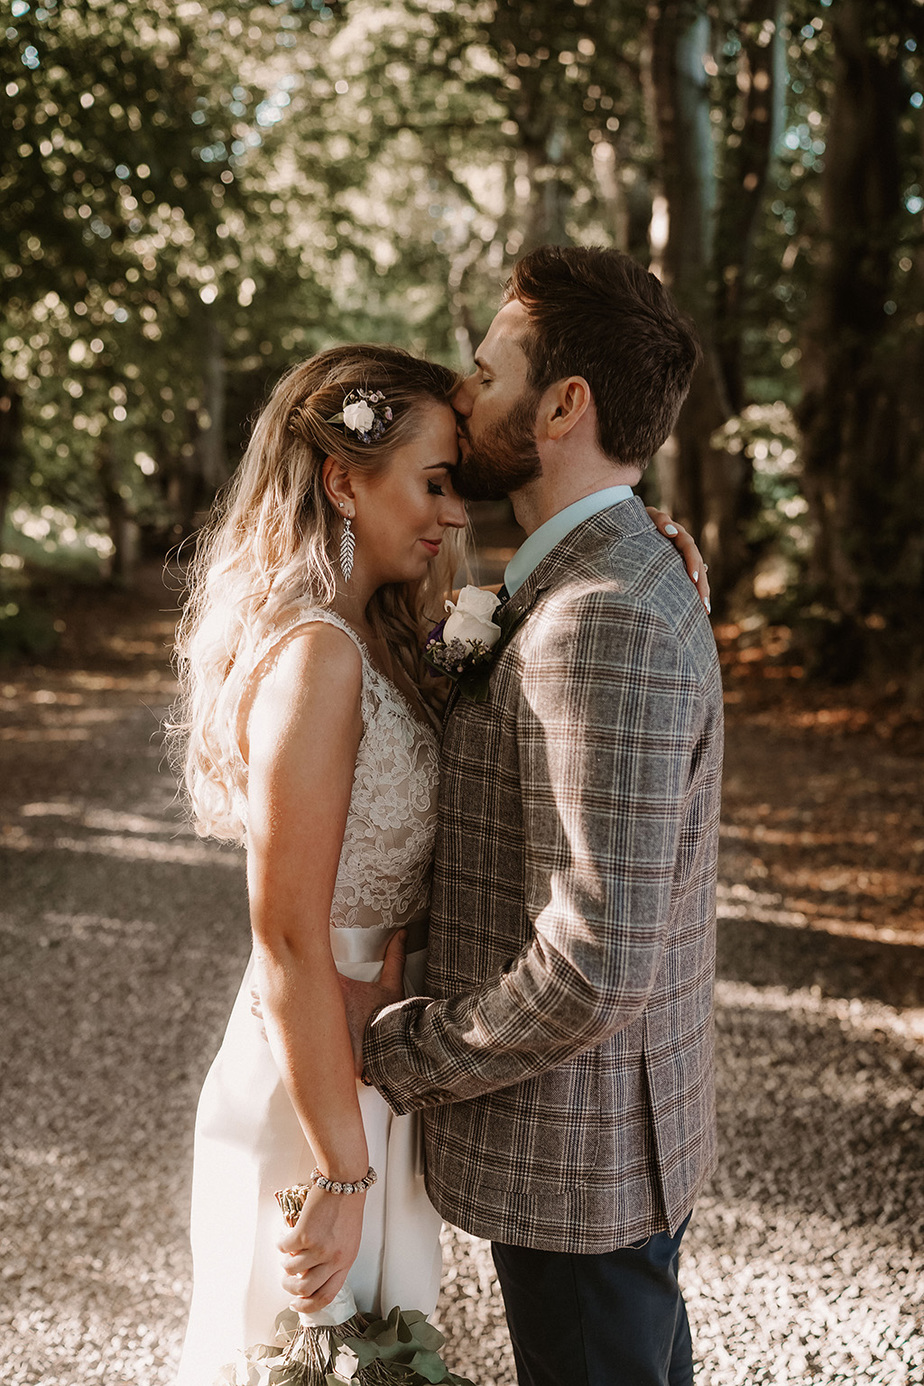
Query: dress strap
[(308, 616)]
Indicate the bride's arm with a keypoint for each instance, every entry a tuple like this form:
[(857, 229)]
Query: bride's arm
[(303, 732)]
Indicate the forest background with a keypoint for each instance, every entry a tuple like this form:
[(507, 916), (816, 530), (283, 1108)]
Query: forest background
[(196, 194), (193, 196)]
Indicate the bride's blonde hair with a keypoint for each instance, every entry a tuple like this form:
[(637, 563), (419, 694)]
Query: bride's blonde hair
[(271, 542)]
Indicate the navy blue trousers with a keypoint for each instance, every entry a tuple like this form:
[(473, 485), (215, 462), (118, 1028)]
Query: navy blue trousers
[(616, 1319)]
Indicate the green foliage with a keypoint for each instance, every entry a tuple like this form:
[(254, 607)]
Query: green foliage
[(27, 631), (195, 194)]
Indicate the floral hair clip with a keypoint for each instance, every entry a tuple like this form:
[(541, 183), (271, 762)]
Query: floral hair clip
[(362, 414)]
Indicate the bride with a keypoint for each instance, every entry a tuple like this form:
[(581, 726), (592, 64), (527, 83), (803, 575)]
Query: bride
[(310, 736), (310, 741)]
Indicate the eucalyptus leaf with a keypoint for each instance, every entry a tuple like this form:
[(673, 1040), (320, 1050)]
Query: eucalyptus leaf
[(429, 1366), (260, 1351), (288, 1323), (429, 1337), (366, 1351), (289, 1374), (474, 685)]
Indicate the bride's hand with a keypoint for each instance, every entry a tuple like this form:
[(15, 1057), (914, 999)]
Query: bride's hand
[(256, 1009), (320, 1249), (685, 544)]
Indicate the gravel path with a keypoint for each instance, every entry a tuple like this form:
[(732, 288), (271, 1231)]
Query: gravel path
[(122, 940)]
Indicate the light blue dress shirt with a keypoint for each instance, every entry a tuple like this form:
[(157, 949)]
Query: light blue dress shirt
[(543, 540)]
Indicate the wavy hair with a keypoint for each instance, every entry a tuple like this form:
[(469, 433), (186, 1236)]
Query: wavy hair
[(270, 543)]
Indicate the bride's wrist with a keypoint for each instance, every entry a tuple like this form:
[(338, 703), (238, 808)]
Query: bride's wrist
[(329, 1184)]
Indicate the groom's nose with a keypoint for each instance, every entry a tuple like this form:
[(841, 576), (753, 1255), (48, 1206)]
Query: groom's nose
[(462, 399)]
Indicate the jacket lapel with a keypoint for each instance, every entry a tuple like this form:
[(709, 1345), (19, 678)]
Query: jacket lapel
[(628, 517)]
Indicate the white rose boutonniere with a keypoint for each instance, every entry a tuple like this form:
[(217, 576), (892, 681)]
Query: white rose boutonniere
[(462, 645), (470, 618)]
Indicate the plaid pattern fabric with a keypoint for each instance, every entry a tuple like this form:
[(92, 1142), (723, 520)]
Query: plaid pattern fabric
[(566, 1067)]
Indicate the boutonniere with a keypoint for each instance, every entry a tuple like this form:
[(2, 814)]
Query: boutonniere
[(462, 645)]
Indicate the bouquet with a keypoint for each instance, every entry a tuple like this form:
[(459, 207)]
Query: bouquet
[(339, 1346)]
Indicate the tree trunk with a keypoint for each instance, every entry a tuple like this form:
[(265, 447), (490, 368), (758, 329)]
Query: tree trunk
[(465, 329), (123, 528), (10, 436), (211, 446), (700, 484), (752, 143), (861, 412), (543, 211), (626, 195)]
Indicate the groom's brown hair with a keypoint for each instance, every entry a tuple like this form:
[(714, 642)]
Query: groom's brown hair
[(597, 313)]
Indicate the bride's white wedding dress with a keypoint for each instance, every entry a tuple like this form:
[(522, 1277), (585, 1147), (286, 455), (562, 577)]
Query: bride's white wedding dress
[(248, 1139)]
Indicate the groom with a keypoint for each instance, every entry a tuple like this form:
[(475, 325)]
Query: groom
[(565, 1066)]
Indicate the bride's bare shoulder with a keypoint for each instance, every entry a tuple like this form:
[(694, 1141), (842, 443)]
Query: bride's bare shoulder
[(311, 677)]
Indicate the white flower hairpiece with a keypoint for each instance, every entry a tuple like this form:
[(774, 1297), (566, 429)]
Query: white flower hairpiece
[(363, 414)]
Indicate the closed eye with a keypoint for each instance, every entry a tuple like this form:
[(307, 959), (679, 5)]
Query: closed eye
[(435, 489)]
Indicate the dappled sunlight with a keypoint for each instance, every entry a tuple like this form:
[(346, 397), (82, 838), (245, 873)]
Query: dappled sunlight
[(791, 837), (39, 1157), (67, 687), (72, 721), (48, 697), (785, 1290), (126, 835), (740, 901), (849, 880), (142, 682), (862, 1017), (97, 927), (130, 649), (125, 848), (101, 818), (42, 734), (76, 724), (197, 196)]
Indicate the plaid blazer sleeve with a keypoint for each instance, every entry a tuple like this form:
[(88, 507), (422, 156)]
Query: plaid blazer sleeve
[(609, 715)]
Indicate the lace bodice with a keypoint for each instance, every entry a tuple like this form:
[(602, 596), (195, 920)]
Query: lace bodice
[(383, 879)]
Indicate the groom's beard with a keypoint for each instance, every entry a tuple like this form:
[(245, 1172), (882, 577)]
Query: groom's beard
[(503, 458)]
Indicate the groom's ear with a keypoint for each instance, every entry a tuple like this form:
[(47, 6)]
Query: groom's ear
[(566, 402)]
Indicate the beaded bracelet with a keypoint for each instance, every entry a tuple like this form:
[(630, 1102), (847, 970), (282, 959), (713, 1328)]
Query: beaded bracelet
[(335, 1187)]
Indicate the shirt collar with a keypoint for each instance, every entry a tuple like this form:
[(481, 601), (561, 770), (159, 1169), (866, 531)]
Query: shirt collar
[(544, 539)]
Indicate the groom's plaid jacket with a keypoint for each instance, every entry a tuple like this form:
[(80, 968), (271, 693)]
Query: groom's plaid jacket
[(567, 1070)]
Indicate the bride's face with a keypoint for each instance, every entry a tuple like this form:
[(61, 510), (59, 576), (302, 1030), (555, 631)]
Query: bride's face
[(402, 514)]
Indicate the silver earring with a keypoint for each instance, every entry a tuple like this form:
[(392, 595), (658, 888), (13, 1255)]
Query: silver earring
[(347, 549)]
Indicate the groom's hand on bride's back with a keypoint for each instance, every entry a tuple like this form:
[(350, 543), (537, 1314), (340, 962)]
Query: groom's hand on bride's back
[(360, 999), (363, 999)]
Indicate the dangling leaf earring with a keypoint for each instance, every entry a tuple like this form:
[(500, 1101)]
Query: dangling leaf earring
[(347, 549)]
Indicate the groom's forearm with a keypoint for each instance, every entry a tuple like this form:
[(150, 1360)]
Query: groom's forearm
[(549, 1005)]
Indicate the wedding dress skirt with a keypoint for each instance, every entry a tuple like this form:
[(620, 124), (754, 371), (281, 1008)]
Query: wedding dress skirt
[(249, 1144)]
